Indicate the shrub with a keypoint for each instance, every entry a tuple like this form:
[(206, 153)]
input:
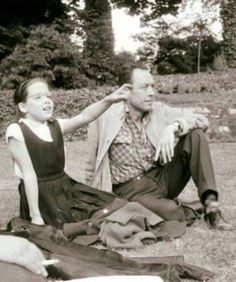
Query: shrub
[(220, 63), (46, 53)]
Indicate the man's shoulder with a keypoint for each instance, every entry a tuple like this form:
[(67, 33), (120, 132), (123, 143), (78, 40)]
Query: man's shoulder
[(159, 105), (115, 109)]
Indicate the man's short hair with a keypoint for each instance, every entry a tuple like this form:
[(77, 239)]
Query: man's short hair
[(127, 72)]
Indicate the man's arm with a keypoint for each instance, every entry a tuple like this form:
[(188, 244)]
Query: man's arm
[(187, 120), (180, 123), (93, 111)]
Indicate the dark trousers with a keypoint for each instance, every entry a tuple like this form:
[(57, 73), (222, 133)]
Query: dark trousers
[(158, 188)]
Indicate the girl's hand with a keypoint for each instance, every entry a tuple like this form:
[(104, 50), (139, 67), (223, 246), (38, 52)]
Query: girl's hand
[(37, 220), (120, 94)]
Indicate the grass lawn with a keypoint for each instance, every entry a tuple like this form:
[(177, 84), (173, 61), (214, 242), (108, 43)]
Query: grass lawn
[(213, 250)]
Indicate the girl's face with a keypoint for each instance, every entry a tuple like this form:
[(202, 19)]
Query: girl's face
[(38, 105)]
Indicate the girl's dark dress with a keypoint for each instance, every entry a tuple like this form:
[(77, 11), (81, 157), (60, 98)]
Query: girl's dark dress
[(61, 198)]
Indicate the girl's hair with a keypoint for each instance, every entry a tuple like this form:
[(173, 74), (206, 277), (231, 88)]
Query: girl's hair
[(21, 92)]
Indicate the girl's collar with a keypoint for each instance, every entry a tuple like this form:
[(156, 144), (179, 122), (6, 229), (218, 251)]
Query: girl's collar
[(33, 123)]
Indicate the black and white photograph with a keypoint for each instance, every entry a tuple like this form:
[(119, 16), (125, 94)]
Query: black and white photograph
[(117, 140)]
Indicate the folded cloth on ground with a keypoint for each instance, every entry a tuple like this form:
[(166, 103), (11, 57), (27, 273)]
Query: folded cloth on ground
[(134, 226), (129, 227)]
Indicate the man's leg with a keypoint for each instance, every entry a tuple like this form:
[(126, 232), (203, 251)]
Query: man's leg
[(192, 158), (148, 192)]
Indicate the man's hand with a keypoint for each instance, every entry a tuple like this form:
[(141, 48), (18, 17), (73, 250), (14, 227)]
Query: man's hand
[(201, 122), (165, 148), (120, 94), (21, 252)]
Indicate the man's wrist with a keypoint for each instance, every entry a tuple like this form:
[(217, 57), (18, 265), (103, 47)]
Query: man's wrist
[(177, 128)]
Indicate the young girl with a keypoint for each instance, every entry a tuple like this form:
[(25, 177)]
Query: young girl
[(47, 194)]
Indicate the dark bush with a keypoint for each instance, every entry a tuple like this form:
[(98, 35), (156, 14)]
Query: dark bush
[(180, 55)]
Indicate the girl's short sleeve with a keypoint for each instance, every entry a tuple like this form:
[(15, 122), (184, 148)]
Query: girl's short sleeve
[(14, 131), (61, 123)]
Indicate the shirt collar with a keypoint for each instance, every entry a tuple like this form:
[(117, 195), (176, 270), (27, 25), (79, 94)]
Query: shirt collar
[(146, 116)]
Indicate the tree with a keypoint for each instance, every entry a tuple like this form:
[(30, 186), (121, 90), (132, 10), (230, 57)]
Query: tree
[(200, 30), (149, 9), (99, 38), (99, 60), (228, 12), (228, 19), (179, 55), (16, 17), (197, 26), (96, 18), (96, 21), (48, 53)]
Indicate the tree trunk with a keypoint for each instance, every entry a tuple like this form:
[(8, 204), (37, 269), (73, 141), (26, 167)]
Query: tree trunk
[(99, 41), (199, 55), (228, 15)]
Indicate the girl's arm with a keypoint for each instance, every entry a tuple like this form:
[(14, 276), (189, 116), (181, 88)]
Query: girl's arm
[(21, 156), (93, 111)]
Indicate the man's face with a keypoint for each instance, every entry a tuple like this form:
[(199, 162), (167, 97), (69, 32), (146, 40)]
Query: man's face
[(142, 96)]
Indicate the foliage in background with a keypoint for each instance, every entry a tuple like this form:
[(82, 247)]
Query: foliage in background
[(94, 28), (47, 52), (34, 41), (228, 12), (16, 17), (181, 55), (99, 42), (149, 9)]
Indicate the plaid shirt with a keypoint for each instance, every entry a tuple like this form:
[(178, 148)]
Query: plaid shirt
[(131, 152)]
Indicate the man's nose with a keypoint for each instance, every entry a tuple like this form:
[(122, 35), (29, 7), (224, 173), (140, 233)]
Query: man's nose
[(150, 91)]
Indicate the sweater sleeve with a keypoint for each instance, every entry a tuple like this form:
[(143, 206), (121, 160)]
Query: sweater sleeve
[(187, 119)]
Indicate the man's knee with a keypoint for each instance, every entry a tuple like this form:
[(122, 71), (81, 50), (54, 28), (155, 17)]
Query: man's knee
[(165, 208), (197, 133), (173, 212), (196, 136)]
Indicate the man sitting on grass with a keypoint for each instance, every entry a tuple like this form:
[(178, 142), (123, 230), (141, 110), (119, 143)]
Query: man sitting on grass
[(145, 151)]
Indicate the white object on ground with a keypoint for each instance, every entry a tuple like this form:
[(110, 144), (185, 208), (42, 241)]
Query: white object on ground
[(49, 261), (119, 278)]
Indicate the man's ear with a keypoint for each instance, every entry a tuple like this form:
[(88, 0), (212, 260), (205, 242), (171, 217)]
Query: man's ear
[(130, 89), (22, 108)]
